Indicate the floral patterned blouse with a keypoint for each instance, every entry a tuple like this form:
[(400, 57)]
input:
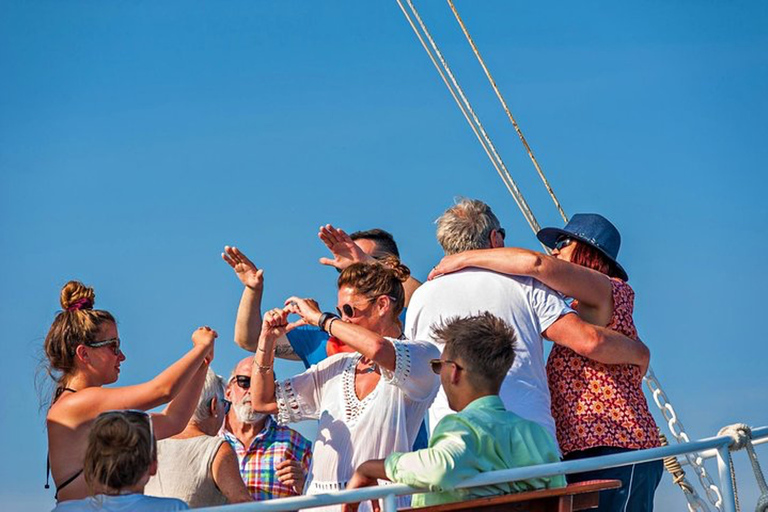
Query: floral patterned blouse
[(596, 404)]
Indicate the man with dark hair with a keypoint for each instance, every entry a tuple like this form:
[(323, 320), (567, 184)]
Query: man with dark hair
[(376, 242), (482, 436)]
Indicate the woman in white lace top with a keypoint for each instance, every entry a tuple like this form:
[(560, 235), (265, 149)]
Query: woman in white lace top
[(369, 402)]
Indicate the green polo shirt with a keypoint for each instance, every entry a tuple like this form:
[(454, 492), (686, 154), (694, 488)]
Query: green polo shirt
[(482, 437)]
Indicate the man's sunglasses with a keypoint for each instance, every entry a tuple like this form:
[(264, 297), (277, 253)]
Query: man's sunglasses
[(563, 242), (244, 381), (112, 341), (437, 365)]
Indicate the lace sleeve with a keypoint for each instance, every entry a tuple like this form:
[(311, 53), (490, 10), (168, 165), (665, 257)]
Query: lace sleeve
[(298, 398), (412, 372)]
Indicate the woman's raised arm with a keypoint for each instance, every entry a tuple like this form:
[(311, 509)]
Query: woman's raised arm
[(591, 288)]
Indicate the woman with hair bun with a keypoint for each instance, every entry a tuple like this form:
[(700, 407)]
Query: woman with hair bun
[(84, 354), (120, 457), (369, 402)]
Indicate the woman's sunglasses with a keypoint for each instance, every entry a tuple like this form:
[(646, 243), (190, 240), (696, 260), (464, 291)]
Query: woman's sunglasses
[(227, 404), (563, 242), (115, 342), (350, 311)]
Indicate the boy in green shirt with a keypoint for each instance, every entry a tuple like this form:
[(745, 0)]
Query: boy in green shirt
[(482, 436)]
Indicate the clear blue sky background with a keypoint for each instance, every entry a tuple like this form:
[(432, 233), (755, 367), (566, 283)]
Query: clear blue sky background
[(138, 138)]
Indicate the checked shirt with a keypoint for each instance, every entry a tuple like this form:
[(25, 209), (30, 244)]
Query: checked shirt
[(269, 448)]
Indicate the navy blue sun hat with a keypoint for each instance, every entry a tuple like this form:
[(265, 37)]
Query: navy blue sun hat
[(592, 229)]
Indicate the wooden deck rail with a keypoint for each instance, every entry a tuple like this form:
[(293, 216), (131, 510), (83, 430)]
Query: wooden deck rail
[(579, 496)]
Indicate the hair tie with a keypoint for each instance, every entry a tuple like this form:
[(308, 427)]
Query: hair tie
[(84, 303)]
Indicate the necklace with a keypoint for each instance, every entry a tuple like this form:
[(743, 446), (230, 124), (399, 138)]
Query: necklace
[(374, 367)]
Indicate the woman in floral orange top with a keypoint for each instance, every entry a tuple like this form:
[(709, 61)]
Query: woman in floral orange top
[(599, 409)]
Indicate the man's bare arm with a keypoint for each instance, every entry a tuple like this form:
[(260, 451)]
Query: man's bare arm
[(597, 343)]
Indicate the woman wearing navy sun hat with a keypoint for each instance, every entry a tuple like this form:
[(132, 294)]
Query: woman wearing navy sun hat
[(599, 409)]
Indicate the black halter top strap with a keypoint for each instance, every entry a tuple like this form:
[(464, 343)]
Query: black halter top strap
[(57, 395)]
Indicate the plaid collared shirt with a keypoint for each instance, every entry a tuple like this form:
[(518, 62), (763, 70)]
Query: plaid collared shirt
[(270, 447)]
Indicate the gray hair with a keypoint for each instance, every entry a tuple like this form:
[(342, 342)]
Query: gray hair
[(465, 226), (213, 388)]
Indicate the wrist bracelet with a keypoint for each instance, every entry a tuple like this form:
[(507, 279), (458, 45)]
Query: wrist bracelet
[(330, 324), (324, 319), (262, 369)]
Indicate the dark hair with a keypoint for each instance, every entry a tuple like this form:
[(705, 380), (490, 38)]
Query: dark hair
[(382, 277), (588, 256), (76, 324), (484, 343), (119, 452), (385, 242)]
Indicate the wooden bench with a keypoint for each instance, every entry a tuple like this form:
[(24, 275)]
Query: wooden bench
[(579, 496)]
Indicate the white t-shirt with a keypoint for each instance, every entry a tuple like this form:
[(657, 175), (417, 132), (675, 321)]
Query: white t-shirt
[(351, 431), (122, 503), (523, 302)]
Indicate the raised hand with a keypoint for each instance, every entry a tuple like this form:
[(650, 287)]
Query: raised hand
[(345, 251), (289, 472), (246, 271), (450, 263), (205, 336), (307, 309)]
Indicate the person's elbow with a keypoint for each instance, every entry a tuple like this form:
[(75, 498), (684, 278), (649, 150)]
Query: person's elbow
[(260, 405), (245, 343)]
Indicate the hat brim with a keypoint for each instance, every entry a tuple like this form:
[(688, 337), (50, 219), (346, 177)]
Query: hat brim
[(549, 237)]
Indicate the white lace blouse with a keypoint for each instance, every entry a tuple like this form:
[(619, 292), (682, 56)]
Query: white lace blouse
[(352, 431)]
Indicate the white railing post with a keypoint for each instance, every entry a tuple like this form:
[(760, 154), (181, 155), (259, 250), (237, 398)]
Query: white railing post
[(726, 484)]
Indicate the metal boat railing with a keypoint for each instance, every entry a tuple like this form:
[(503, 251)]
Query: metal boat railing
[(710, 447)]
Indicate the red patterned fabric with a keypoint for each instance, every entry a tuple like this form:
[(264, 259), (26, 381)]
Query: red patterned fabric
[(597, 404)]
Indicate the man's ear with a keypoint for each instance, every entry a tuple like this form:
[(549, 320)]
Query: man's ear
[(496, 239), (153, 468), (455, 375), (228, 392)]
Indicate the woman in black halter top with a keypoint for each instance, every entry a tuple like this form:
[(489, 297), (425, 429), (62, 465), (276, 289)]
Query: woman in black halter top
[(84, 354)]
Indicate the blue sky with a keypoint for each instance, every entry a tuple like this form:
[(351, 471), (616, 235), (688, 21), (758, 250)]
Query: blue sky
[(138, 138)]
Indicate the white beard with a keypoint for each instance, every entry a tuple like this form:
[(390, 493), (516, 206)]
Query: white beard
[(245, 413)]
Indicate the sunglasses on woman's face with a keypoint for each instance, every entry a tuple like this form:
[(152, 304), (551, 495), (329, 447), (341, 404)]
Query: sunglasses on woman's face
[(350, 311), (226, 403), (115, 342), (563, 242), (244, 381)]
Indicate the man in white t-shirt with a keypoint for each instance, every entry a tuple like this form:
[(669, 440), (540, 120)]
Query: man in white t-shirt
[(533, 309)]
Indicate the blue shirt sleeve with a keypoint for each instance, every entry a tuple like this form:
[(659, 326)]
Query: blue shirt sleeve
[(309, 344)]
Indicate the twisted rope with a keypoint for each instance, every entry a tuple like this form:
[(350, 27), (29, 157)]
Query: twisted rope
[(507, 111)]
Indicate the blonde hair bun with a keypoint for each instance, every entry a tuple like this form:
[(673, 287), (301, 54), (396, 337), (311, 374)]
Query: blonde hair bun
[(75, 295)]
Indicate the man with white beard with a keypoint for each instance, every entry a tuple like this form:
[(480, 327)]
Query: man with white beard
[(273, 460)]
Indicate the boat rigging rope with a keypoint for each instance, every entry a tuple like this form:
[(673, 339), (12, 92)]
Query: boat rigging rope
[(671, 464), (675, 426), (742, 438), (507, 111), (469, 113)]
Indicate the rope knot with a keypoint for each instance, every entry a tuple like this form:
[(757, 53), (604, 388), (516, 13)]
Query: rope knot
[(739, 432)]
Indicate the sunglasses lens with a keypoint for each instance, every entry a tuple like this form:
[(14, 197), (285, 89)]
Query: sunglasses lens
[(227, 405), (563, 242), (243, 381), (348, 310), (436, 366)]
